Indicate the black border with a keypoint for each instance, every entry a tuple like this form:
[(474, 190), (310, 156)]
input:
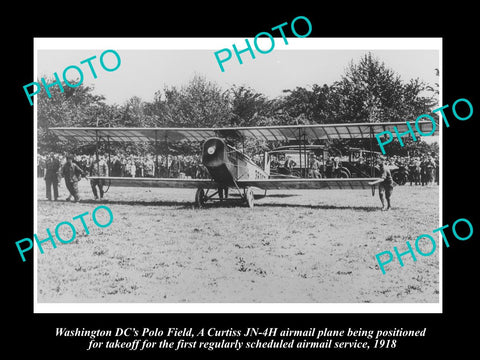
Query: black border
[(449, 330)]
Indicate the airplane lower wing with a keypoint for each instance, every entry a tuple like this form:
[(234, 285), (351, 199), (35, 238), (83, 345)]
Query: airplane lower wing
[(266, 184), (157, 182), (330, 183)]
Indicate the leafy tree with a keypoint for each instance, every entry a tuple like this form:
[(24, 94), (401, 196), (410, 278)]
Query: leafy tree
[(248, 107), (76, 106), (303, 106), (368, 92), (199, 104), (132, 114), (434, 91), (371, 92)]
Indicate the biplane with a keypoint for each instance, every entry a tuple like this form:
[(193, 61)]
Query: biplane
[(229, 167)]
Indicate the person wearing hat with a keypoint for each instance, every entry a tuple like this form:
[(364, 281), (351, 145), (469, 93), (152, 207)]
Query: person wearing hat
[(72, 174), (98, 168), (329, 167), (289, 164), (385, 187), (52, 168), (314, 166)]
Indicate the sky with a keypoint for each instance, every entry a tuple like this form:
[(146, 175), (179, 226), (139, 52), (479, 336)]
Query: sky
[(148, 66)]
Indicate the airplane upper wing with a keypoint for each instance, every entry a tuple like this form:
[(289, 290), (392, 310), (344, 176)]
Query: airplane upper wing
[(130, 134), (269, 133)]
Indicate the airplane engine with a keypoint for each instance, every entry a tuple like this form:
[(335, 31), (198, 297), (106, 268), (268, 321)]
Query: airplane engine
[(213, 153), (216, 160)]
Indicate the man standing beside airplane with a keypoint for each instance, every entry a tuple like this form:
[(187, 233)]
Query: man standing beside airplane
[(385, 187), (72, 174)]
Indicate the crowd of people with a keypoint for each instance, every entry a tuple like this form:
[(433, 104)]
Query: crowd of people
[(52, 167), (176, 166), (419, 170)]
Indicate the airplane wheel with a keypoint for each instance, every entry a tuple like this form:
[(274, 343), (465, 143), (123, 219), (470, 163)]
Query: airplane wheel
[(373, 190), (200, 198), (249, 197)]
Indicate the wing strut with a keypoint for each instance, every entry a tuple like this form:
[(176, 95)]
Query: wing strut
[(167, 151), (300, 150), (372, 166), (156, 172), (108, 150)]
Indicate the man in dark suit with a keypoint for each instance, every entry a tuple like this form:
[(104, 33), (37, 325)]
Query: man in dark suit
[(72, 174), (52, 167)]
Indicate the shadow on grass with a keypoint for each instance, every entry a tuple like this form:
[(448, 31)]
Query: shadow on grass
[(276, 196), (230, 203), (323, 207), (261, 196), (126, 202)]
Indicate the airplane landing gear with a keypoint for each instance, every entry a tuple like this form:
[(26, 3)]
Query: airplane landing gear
[(200, 198), (249, 197)]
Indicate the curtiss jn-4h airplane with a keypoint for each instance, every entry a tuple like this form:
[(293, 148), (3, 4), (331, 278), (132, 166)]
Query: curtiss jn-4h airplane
[(231, 168)]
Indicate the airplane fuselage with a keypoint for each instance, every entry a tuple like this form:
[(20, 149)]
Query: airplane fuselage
[(227, 165)]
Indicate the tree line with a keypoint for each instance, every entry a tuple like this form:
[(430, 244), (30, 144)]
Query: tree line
[(368, 91)]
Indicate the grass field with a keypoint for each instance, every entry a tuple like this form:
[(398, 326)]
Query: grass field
[(293, 246)]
